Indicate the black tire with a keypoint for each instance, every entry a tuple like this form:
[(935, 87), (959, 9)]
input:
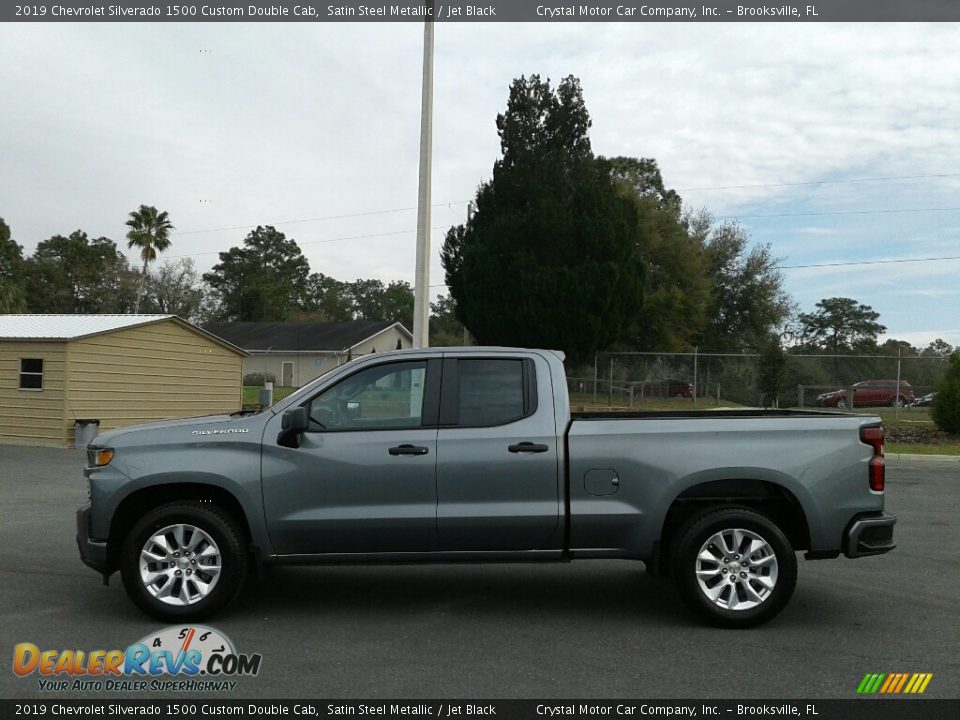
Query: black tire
[(218, 525), (696, 532)]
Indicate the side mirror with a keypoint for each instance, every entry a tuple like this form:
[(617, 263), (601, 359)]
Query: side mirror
[(292, 424), (353, 409)]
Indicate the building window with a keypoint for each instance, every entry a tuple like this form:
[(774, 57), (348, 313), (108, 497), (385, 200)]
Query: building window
[(31, 373)]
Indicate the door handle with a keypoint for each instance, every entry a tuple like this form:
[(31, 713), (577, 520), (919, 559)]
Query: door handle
[(408, 450), (528, 447)]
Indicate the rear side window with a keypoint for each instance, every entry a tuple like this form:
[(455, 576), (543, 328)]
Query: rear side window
[(31, 373), (493, 392)]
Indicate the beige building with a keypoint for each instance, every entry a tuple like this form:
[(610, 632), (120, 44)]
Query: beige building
[(56, 370), (295, 353)]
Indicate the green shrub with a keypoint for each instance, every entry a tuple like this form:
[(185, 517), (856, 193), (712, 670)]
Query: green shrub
[(946, 403), (258, 378)]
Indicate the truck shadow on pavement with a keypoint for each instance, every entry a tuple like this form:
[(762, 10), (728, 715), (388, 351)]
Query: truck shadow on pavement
[(611, 589), (618, 592)]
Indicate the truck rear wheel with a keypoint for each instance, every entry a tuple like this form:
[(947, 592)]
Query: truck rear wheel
[(183, 561), (734, 566)]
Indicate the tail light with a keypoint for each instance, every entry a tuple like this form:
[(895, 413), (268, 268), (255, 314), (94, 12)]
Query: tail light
[(873, 436)]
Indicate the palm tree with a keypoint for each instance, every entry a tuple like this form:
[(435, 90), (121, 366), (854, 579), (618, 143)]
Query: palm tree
[(149, 231)]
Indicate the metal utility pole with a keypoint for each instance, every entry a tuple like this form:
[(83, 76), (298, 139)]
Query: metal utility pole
[(696, 351), (896, 407), (421, 290)]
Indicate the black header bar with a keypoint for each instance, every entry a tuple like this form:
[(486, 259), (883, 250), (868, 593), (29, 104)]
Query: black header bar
[(480, 11), (193, 706)]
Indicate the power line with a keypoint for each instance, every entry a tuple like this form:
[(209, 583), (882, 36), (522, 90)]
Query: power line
[(316, 242), (315, 219), (371, 235), (369, 213), (775, 215), (689, 189), (868, 262), (820, 182), (443, 227), (847, 263), (839, 212)]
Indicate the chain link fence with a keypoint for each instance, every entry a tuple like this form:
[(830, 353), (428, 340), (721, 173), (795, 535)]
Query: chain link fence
[(704, 380)]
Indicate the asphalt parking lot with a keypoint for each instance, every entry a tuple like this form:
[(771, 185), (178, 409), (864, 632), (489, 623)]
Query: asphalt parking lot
[(587, 629)]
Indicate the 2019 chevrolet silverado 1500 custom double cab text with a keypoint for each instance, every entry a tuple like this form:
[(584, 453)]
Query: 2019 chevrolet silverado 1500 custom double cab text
[(472, 454)]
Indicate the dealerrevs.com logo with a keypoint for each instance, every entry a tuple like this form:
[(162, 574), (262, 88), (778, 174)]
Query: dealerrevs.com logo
[(201, 658)]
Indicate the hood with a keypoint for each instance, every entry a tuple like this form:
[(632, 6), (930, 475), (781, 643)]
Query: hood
[(197, 427)]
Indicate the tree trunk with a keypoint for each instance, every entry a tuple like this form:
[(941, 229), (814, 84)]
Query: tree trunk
[(143, 281)]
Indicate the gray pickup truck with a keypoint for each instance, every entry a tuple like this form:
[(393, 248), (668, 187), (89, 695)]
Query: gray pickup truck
[(473, 455)]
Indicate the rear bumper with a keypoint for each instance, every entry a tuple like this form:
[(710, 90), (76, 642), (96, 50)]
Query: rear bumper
[(92, 552), (869, 535)]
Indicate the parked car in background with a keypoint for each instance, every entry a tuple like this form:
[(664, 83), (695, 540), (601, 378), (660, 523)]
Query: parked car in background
[(871, 393), (924, 401)]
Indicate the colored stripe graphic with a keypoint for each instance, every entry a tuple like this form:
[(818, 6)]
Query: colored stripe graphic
[(894, 683), (890, 686), (903, 681), (870, 683)]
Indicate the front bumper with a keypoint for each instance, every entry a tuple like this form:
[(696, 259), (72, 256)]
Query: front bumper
[(92, 552), (869, 535)]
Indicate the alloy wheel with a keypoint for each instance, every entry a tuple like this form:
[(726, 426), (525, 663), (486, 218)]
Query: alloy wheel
[(180, 564), (736, 569)]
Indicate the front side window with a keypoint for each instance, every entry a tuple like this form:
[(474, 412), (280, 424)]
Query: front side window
[(384, 397), (31, 373)]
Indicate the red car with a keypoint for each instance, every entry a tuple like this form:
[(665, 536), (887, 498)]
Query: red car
[(871, 392)]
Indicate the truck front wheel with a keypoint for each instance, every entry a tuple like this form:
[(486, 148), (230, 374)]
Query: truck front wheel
[(734, 566), (183, 561)]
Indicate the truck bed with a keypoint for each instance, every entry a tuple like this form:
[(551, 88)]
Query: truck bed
[(815, 456)]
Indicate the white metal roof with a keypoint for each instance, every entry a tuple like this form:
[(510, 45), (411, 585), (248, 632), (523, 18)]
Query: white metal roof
[(67, 327)]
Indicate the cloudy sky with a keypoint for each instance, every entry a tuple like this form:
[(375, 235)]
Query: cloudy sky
[(786, 128)]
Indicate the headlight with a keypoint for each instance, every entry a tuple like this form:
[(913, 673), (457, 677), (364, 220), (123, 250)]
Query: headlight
[(99, 457)]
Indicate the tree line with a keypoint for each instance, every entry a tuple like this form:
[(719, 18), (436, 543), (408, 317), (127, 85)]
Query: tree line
[(264, 279)]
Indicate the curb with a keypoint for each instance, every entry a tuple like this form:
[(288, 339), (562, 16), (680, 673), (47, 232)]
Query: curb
[(922, 456)]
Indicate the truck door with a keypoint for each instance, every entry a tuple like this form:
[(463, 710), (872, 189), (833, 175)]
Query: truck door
[(364, 477), (498, 476)]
